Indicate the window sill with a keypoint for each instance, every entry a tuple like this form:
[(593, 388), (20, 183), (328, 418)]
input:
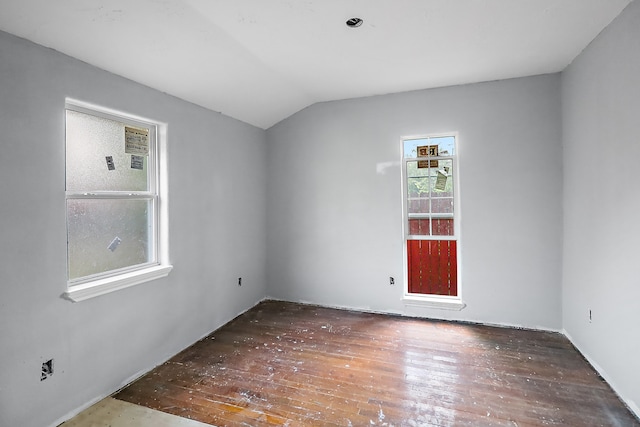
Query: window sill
[(99, 287), (442, 303)]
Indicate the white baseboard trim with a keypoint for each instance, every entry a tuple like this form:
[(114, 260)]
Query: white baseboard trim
[(631, 405)]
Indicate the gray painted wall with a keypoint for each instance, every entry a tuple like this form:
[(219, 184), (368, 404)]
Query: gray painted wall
[(601, 115), (334, 200), (217, 211), (325, 184)]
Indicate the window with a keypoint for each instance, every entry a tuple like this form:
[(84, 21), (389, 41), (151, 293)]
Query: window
[(115, 199), (431, 220)]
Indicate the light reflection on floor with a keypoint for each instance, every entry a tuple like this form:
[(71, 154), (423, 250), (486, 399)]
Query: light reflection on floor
[(429, 385)]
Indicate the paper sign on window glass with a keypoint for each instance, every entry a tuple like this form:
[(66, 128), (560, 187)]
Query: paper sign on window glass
[(136, 141)]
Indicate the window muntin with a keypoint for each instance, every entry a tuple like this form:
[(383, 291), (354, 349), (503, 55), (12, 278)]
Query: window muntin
[(446, 146), (429, 181), (430, 198), (112, 198)]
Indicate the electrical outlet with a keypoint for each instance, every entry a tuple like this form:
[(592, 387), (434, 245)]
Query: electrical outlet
[(392, 281), (239, 281), (47, 370)]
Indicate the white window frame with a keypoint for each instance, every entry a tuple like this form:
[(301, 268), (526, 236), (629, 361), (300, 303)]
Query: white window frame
[(100, 284), (445, 302)]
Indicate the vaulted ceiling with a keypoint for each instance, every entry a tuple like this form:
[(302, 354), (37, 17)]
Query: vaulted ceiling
[(262, 60)]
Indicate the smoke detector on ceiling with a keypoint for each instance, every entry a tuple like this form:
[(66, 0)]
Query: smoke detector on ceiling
[(354, 22)]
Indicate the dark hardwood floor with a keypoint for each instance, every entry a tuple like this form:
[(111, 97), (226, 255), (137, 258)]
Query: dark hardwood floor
[(291, 364)]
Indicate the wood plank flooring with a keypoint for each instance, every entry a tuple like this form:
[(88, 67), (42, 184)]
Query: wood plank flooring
[(298, 365)]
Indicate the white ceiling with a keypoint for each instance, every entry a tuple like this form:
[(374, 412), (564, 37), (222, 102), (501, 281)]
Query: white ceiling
[(262, 60)]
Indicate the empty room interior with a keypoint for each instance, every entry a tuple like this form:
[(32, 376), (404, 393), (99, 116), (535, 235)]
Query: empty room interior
[(413, 192)]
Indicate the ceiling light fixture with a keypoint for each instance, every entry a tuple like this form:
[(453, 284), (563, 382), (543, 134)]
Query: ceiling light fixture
[(354, 22)]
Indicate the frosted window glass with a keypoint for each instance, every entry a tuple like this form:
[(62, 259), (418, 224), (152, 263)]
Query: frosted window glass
[(90, 140), (106, 235)]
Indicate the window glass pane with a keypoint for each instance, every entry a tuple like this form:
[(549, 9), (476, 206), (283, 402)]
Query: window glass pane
[(433, 267), (411, 147), (442, 188), (442, 206), (419, 205), (419, 227), (446, 146), (431, 227), (105, 235), (97, 159), (442, 226), (418, 180)]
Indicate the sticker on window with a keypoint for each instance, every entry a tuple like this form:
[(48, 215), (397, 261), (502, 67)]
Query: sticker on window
[(114, 244), (136, 141), (441, 180), (427, 151), (110, 165), (427, 164), (137, 162)]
